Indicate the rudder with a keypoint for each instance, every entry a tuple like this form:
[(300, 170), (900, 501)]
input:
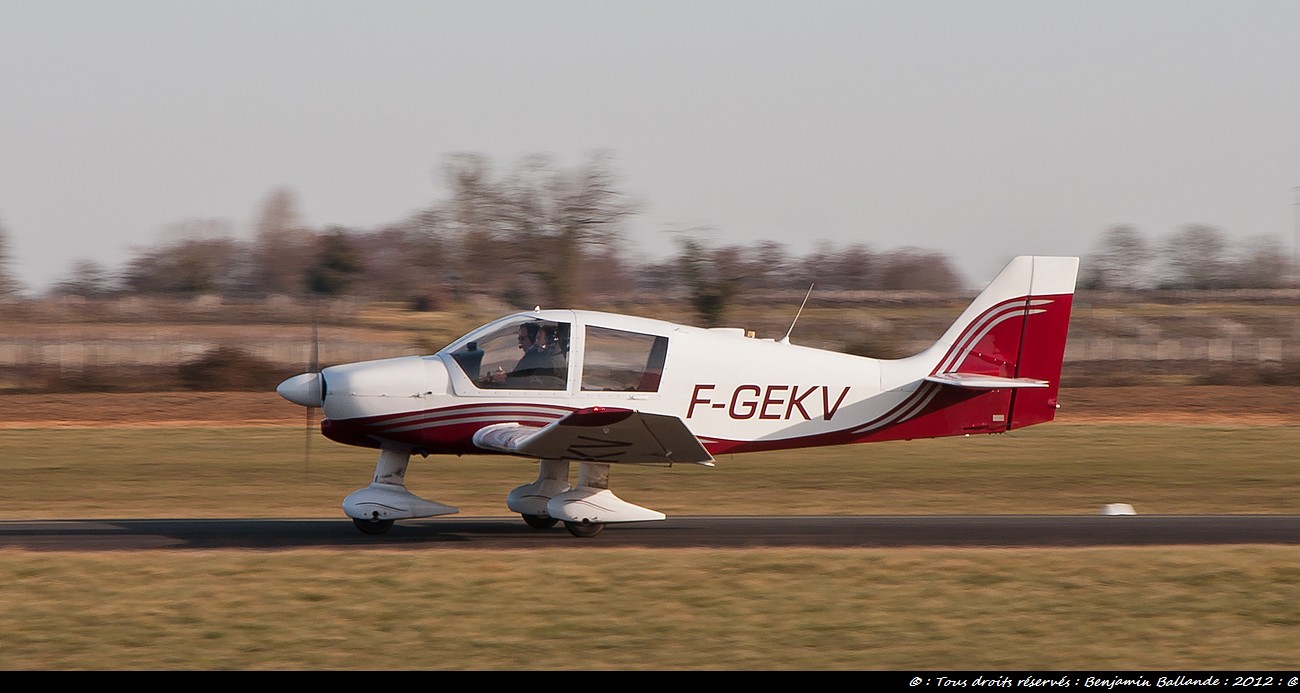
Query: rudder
[(1042, 351), (1000, 361)]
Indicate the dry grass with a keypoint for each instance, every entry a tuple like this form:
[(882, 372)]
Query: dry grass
[(1053, 469), (931, 609), (1149, 608)]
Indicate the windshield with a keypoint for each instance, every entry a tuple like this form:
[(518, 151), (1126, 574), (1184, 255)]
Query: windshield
[(521, 354)]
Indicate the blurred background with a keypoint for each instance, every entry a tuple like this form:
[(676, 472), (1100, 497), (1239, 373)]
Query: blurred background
[(203, 310), (186, 189)]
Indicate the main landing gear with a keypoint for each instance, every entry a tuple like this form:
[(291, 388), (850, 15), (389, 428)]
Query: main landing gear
[(585, 509)]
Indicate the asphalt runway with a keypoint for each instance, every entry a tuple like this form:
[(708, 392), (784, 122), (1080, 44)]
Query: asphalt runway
[(1018, 531)]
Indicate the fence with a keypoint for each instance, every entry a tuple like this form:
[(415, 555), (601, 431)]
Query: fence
[(126, 352), (74, 355), (1216, 349)]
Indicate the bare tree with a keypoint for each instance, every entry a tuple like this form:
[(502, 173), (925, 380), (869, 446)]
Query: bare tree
[(88, 279), (810, 268), (1263, 264), (918, 270), (851, 268), (605, 276), (561, 214), (855, 268), (471, 220), (337, 264), (402, 262), (190, 266), (768, 266), (9, 285), (1195, 257), (1121, 261), (712, 276), (535, 224), (282, 247)]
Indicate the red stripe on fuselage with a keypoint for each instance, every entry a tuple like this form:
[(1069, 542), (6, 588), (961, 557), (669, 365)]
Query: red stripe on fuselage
[(441, 430)]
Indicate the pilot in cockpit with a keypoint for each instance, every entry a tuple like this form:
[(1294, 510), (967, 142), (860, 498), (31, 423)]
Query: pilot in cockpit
[(543, 365)]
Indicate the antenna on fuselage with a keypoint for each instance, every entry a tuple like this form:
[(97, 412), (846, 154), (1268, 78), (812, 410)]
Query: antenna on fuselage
[(786, 338)]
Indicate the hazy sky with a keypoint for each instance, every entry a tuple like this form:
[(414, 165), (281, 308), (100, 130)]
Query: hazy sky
[(982, 129)]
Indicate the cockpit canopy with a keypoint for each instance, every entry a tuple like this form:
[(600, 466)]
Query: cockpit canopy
[(524, 354), (530, 352)]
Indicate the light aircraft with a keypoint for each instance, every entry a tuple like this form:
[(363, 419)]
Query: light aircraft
[(615, 389)]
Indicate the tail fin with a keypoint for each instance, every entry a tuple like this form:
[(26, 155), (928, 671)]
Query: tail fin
[(1011, 340)]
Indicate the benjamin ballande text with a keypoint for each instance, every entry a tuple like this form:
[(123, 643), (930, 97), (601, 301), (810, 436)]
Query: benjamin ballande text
[(1117, 681)]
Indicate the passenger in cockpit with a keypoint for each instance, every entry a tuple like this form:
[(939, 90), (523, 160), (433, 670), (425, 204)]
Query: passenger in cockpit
[(542, 366)]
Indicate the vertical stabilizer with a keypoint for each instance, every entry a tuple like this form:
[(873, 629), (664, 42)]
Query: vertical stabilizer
[(1001, 359), (1042, 351)]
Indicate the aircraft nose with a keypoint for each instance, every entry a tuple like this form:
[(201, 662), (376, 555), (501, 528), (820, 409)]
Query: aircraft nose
[(304, 389), (384, 386)]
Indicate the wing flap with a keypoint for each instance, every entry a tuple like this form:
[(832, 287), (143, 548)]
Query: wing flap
[(600, 434), (975, 381)]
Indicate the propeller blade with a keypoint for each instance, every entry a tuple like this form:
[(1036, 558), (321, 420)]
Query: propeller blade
[(314, 366), (306, 455)]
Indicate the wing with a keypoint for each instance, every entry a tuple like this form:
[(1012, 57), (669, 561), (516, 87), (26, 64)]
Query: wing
[(600, 434)]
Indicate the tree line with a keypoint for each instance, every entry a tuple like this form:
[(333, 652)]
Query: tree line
[(535, 233), (1196, 257), (538, 233)]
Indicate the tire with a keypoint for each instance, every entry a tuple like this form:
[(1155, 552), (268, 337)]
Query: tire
[(584, 529), (539, 521), (373, 526)]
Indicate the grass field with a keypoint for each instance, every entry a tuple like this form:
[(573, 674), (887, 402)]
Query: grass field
[(1053, 469), (1163, 608)]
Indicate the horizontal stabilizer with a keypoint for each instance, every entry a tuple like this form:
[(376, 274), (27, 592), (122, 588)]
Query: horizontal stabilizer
[(975, 381), (600, 434)]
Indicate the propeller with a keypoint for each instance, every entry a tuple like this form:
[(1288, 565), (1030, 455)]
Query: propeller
[(307, 389), (314, 368)]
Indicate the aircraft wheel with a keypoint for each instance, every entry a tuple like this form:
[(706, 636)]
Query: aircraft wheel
[(584, 529), (373, 526), (538, 521)]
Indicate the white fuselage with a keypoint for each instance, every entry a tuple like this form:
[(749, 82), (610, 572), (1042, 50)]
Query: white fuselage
[(729, 388)]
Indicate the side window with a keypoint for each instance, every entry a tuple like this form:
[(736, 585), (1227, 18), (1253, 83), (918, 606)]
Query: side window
[(615, 360), (524, 355)]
